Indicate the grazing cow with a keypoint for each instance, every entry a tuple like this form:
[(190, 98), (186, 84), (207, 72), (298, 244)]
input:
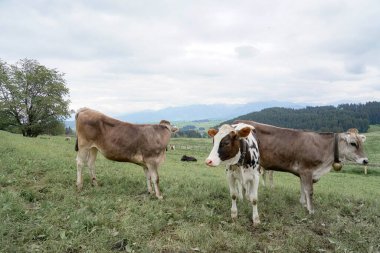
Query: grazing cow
[(308, 155), (237, 148), (143, 145), (186, 158)]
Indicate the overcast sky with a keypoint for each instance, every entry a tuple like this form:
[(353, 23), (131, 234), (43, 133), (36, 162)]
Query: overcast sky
[(126, 56)]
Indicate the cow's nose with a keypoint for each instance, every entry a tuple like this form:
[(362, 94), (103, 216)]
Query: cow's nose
[(208, 162), (365, 161)]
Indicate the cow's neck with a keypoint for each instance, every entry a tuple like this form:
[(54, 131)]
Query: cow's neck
[(243, 152)]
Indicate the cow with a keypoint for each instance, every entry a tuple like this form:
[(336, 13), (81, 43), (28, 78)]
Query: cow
[(143, 145), (237, 148), (186, 158), (306, 154)]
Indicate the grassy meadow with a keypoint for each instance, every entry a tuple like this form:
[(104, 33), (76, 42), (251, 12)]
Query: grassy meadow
[(41, 211)]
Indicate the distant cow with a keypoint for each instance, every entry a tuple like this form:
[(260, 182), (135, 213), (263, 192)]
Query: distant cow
[(308, 155), (143, 145), (237, 148), (186, 158)]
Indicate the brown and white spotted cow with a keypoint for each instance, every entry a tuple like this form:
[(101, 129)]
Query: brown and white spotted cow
[(143, 145), (308, 155), (236, 147)]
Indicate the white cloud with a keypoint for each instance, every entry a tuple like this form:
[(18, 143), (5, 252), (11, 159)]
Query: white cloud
[(125, 56)]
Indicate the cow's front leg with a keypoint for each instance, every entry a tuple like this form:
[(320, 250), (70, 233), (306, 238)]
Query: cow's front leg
[(307, 185), (253, 196), (302, 198), (155, 180), (233, 193), (148, 180), (271, 185)]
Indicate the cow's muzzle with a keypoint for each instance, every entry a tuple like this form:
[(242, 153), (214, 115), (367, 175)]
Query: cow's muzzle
[(209, 163)]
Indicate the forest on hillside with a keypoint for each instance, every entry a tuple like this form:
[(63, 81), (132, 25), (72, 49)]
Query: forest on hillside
[(319, 118)]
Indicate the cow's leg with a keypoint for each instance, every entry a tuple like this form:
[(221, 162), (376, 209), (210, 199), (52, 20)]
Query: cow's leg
[(302, 198), (271, 179), (91, 165), (253, 195), (82, 157), (148, 180), (263, 173), (307, 185), (233, 193), (153, 170)]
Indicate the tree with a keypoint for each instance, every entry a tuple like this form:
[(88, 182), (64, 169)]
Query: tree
[(32, 97)]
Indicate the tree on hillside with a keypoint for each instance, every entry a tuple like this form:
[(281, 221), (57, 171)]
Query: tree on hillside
[(32, 98)]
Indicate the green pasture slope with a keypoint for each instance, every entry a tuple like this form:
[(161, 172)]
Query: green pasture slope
[(41, 211)]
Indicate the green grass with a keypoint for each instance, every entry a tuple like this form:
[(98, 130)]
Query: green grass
[(41, 211), (206, 124)]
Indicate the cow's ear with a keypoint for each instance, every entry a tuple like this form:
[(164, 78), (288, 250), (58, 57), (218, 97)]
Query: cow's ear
[(244, 132), (212, 132), (363, 137)]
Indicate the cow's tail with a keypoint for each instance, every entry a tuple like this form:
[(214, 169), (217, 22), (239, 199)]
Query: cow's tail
[(76, 125)]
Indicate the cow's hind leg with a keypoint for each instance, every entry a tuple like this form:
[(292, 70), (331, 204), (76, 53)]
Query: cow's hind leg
[(91, 165), (82, 157), (153, 171), (307, 186)]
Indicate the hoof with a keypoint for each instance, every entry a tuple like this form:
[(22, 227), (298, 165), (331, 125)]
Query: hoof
[(234, 215), (160, 197), (79, 187), (94, 183), (256, 221)]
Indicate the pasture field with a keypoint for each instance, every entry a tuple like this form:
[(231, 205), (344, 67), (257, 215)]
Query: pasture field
[(41, 211)]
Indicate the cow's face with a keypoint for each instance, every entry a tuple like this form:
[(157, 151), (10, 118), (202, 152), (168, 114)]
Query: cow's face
[(226, 145), (166, 123), (351, 146)]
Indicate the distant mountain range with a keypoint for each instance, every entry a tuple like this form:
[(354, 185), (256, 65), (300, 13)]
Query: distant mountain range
[(198, 112)]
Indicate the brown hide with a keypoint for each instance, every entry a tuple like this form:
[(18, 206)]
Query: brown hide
[(121, 141), (284, 149), (308, 155)]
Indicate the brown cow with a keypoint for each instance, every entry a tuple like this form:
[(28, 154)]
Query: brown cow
[(308, 155), (143, 145)]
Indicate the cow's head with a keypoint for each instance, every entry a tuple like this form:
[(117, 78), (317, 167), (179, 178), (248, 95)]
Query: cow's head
[(351, 146), (166, 123), (226, 144)]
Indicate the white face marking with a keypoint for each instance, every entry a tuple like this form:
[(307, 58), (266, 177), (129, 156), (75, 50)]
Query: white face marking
[(214, 160), (214, 155)]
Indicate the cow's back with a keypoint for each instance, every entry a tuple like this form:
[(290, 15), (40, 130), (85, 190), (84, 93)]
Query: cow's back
[(117, 140), (286, 149)]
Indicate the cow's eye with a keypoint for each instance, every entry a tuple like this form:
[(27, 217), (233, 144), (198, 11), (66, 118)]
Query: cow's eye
[(353, 144), (225, 143)]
